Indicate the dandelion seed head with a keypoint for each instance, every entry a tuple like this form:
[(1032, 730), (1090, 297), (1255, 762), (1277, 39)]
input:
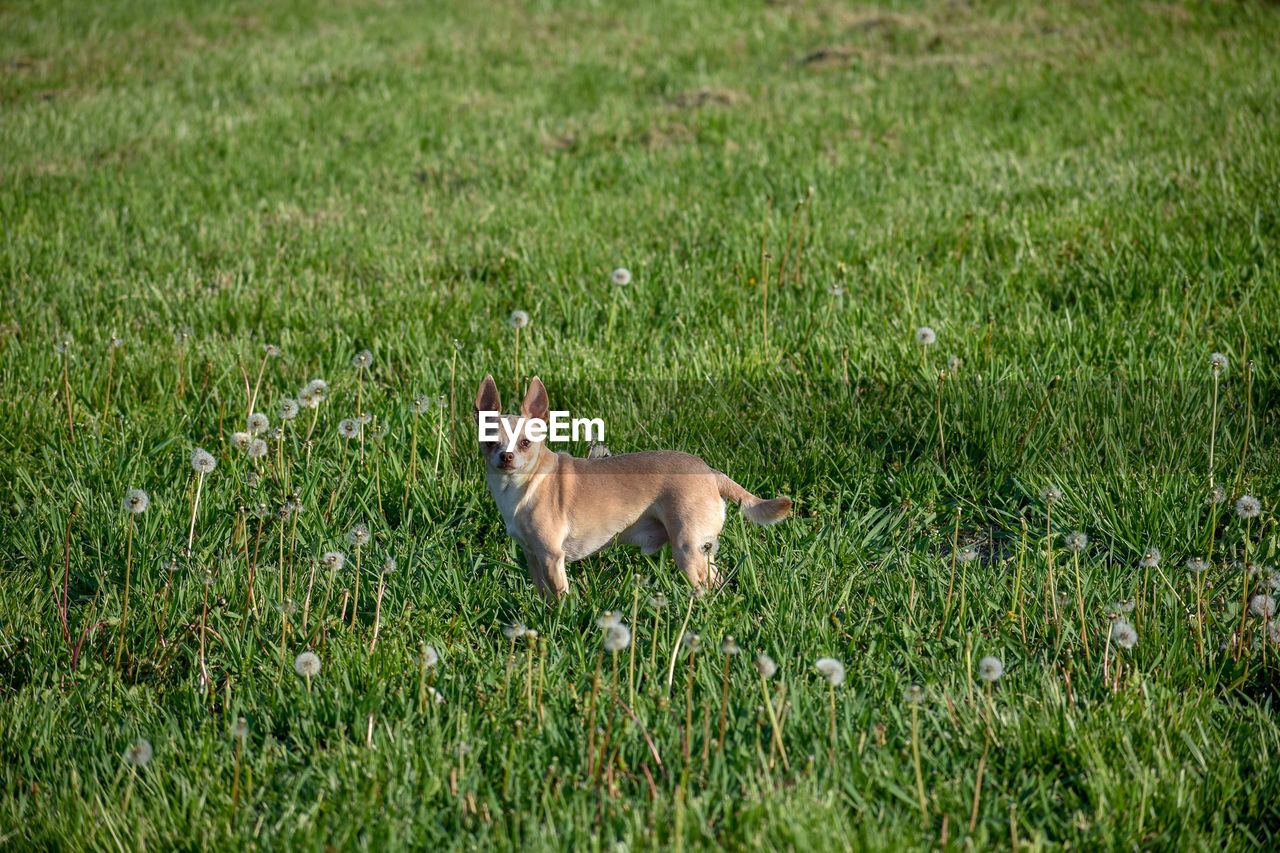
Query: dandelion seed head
[(348, 428), (429, 656), (307, 400), (1051, 495), (692, 642), (421, 403), (1077, 541), (518, 319), (251, 479), (765, 666), (240, 440), (203, 461), (617, 637), (362, 360), (830, 669), (288, 409), (1217, 495), (1262, 606), (457, 345), (257, 449), (1150, 558), (240, 730), (1197, 565), (990, 668), (271, 350), (598, 451), (954, 364), (1125, 605), (835, 290), (182, 334), (926, 336), (389, 566), (914, 694), (335, 560), (657, 602), (139, 753), (967, 554), (1248, 507), (1217, 362), (1123, 634), (515, 631), (729, 646), (358, 535), (608, 619), (136, 501), (621, 277), (307, 665), (114, 342)]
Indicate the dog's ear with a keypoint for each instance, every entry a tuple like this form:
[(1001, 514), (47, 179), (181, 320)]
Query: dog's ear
[(487, 397), (535, 403)]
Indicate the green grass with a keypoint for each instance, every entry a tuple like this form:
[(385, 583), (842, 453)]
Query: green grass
[(1086, 192)]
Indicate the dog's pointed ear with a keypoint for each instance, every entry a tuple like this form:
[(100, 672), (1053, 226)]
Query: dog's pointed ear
[(487, 397), (536, 404)]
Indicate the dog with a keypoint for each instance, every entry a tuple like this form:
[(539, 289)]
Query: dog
[(562, 508)]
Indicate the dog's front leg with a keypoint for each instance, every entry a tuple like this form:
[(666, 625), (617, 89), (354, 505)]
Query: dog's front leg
[(546, 567)]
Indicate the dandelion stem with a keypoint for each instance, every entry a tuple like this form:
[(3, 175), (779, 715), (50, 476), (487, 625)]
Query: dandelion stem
[(955, 543), (124, 612), (355, 598), (195, 504), (1084, 635), (1248, 424), (773, 723), (377, 611), (915, 754), (1017, 582), (1213, 426), (591, 714), (724, 704), (631, 652), (675, 647), (66, 392)]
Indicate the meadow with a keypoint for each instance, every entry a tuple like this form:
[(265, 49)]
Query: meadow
[(989, 289)]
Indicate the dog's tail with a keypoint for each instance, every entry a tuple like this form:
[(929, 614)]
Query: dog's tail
[(755, 509)]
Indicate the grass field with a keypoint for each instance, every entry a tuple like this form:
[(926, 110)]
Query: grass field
[(1082, 200)]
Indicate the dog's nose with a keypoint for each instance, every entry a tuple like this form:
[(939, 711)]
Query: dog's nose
[(506, 458)]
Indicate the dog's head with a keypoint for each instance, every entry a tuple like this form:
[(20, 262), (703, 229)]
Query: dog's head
[(513, 450)]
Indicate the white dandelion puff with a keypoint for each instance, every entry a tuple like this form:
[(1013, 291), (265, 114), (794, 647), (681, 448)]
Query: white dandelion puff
[(515, 631), (621, 277), (831, 669), (307, 664), (1217, 495), (1123, 634), (203, 461), (288, 409), (136, 501), (362, 359), (926, 336), (1248, 507), (766, 666), (240, 440), (1077, 541), (1262, 606), (608, 619), (967, 554), (1197, 565), (335, 560), (617, 637), (914, 694), (990, 668), (257, 449), (518, 319), (139, 753), (1150, 558), (1218, 362), (729, 646), (258, 423), (1051, 495), (358, 535), (430, 657), (348, 428)]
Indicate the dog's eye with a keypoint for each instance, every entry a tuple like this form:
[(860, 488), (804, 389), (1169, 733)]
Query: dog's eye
[(524, 443)]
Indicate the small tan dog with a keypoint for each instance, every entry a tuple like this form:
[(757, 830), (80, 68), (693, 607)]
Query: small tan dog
[(561, 508)]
